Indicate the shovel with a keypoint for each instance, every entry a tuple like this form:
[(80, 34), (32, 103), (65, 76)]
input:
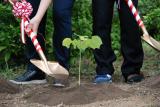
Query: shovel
[(146, 37), (53, 69)]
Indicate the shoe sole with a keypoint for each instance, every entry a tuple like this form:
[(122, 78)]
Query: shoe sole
[(29, 82), (135, 79), (58, 85), (104, 82)]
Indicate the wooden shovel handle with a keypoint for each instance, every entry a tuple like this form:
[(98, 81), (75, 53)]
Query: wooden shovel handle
[(145, 32)]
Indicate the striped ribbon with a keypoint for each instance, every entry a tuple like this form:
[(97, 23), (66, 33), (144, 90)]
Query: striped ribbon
[(22, 10)]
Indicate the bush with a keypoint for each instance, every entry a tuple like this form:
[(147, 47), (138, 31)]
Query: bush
[(82, 19), (150, 11), (82, 25), (9, 35)]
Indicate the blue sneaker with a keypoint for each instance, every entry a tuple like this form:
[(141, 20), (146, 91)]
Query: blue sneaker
[(103, 79)]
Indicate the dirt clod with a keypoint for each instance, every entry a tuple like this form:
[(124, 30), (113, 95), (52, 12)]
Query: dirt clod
[(7, 87)]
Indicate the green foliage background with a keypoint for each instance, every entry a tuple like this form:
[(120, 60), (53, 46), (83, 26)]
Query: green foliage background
[(11, 48)]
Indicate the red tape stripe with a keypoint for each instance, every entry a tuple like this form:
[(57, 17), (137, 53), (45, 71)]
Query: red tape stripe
[(34, 38)]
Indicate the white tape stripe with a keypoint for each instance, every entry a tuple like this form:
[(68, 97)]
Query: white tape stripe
[(35, 42), (22, 32), (133, 10), (32, 35), (130, 3), (26, 23), (138, 17)]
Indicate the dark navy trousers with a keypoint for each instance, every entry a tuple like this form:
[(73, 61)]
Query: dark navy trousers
[(62, 10), (130, 41)]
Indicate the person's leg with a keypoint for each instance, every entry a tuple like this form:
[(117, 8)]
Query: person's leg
[(32, 73), (102, 21), (131, 45), (62, 10)]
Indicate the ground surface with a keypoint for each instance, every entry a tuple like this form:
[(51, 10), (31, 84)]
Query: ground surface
[(144, 94), (116, 94)]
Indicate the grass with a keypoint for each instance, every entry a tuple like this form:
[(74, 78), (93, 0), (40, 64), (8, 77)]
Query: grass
[(11, 73)]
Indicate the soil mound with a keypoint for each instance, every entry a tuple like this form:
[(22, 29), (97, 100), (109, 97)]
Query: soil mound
[(7, 87), (156, 82), (152, 82), (76, 95)]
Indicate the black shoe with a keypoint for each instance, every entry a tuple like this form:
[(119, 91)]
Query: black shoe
[(30, 77), (135, 78)]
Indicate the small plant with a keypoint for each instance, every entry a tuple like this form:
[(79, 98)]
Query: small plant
[(82, 43)]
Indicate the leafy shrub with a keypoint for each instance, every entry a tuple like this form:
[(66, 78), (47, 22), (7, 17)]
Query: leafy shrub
[(82, 25), (82, 19), (150, 11), (9, 35)]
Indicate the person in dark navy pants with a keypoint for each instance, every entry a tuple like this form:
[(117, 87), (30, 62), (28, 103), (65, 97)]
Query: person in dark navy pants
[(62, 10), (131, 46)]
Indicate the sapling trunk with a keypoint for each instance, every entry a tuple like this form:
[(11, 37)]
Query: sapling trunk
[(80, 59)]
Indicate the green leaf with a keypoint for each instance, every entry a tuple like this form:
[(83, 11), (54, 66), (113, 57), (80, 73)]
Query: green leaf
[(78, 44), (2, 48), (83, 38), (7, 56), (94, 42), (83, 43), (67, 42), (75, 43)]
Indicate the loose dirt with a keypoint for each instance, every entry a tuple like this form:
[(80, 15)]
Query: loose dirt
[(116, 94), (7, 87), (144, 94)]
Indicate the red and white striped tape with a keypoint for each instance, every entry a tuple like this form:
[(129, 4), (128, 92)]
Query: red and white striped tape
[(22, 10), (135, 12), (32, 35)]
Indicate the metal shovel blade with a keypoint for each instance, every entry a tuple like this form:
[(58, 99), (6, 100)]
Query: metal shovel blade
[(56, 70), (151, 41)]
